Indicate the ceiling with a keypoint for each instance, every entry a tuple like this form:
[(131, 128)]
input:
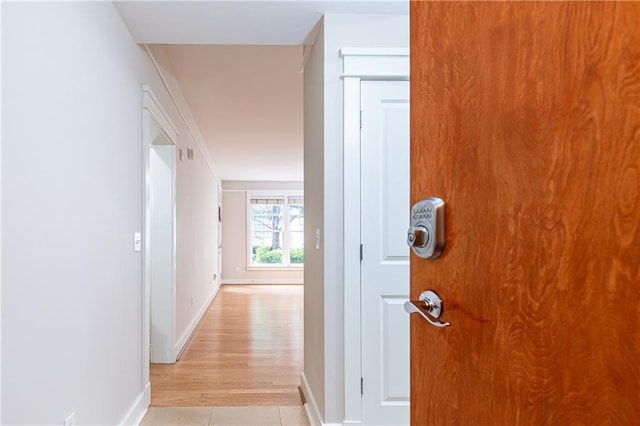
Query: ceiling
[(239, 21), (247, 103), (238, 64)]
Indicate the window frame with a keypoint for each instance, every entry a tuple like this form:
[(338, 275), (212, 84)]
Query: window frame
[(284, 194)]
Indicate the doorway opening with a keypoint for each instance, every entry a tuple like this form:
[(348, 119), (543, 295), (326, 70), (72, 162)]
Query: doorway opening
[(159, 268), (260, 263), (162, 249)]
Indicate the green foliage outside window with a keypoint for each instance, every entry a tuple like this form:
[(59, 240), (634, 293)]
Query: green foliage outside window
[(265, 254), (297, 255)]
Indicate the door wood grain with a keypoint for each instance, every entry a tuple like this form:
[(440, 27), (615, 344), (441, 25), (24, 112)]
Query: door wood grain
[(525, 119)]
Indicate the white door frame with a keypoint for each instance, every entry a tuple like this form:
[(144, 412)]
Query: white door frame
[(358, 64), (151, 110)]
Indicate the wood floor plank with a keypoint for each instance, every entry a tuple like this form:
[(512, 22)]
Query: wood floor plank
[(247, 351)]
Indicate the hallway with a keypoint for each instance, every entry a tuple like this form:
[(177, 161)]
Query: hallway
[(247, 351)]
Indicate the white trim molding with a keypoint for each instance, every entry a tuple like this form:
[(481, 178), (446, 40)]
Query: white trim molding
[(151, 103), (311, 407), (196, 136), (139, 407), (358, 64), (375, 64)]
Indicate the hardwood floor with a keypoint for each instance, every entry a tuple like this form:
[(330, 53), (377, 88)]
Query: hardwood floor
[(247, 351)]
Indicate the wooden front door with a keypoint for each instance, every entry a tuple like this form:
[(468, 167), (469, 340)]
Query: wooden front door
[(525, 119)]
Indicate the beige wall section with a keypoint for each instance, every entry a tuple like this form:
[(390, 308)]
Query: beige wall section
[(234, 236), (314, 336)]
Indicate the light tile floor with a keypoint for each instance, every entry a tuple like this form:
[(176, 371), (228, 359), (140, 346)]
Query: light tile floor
[(226, 416)]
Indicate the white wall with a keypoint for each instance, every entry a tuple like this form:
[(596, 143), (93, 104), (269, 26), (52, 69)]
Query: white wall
[(324, 277), (71, 201), (234, 235)]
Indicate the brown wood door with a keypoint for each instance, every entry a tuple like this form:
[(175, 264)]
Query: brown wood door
[(526, 120)]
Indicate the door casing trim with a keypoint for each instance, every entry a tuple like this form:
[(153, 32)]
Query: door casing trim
[(359, 64)]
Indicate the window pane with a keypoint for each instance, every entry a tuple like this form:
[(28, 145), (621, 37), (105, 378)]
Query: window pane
[(266, 231), (296, 231)]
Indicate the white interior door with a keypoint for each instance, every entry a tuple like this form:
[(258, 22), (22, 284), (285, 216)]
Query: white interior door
[(384, 140)]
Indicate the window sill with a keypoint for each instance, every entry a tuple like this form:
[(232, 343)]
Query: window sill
[(275, 268)]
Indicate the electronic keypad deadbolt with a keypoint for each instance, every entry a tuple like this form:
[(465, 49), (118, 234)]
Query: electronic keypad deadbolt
[(426, 234)]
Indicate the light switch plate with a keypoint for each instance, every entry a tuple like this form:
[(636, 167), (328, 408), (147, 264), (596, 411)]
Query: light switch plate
[(137, 241)]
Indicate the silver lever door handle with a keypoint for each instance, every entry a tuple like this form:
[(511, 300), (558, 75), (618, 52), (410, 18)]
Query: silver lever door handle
[(429, 305)]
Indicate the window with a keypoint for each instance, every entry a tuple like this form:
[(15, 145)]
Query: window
[(276, 230)]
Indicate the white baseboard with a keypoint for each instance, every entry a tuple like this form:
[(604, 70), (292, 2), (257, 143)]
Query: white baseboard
[(312, 418), (248, 281), (311, 407), (139, 407), (184, 339)]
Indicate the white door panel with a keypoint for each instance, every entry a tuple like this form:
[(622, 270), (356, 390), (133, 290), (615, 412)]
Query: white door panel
[(395, 351), (385, 264)]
